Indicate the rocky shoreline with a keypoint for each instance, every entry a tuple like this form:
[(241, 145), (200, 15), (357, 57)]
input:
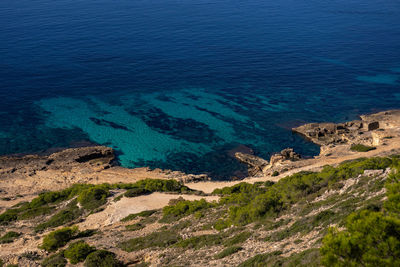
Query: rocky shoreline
[(31, 174), (335, 141), (23, 178)]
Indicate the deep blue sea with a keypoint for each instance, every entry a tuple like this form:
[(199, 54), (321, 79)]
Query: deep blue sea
[(178, 84)]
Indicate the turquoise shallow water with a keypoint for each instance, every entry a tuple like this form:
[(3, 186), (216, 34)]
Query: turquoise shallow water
[(179, 84)]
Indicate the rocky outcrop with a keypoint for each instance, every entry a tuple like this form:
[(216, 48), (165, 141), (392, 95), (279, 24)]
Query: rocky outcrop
[(259, 166), (369, 130), (95, 157), (255, 164), (284, 155), (31, 174)]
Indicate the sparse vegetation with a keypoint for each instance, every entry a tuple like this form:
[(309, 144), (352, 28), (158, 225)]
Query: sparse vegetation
[(295, 211), (183, 208), (361, 148), (228, 251), (135, 227), (249, 203), (9, 237), (260, 260), (200, 241), (145, 213), (275, 173), (237, 239), (158, 239), (135, 192), (153, 185), (66, 215)]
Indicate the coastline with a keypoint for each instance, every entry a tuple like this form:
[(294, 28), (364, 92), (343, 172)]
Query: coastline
[(31, 174), (23, 178)]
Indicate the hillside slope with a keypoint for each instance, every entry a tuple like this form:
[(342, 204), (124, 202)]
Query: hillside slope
[(261, 224)]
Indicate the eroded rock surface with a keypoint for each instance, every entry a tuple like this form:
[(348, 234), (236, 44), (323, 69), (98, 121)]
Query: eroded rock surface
[(369, 130), (259, 166), (30, 174)]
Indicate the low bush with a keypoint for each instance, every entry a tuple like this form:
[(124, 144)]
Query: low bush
[(56, 260), (158, 239), (44, 204), (78, 251), (237, 239), (102, 258), (93, 198), (89, 196), (66, 215), (58, 238), (156, 185), (9, 237), (249, 203), (228, 251), (222, 224), (183, 208), (268, 259), (135, 192), (145, 213), (371, 238), (361, 148), (135, 227)]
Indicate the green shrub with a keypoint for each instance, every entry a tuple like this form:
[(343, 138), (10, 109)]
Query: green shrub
[(41, 205), (78, 251), (135, 192), (228, 251), (237, 239), (262, 260), (249, 203), (135, 227), (56, 260), (89, 196), (275, 173), (361, 148), (145, 213), (371, 238), (93, 198), (156, 185), (66, 215), (102, 258), (9, 237), (157, 239), (58, 238), (183, 208), (222, 224)]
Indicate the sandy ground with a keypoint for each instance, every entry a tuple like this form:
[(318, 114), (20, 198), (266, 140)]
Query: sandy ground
[(118, 210)]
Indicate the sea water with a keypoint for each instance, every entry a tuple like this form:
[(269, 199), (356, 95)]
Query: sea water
[(181, 84)]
